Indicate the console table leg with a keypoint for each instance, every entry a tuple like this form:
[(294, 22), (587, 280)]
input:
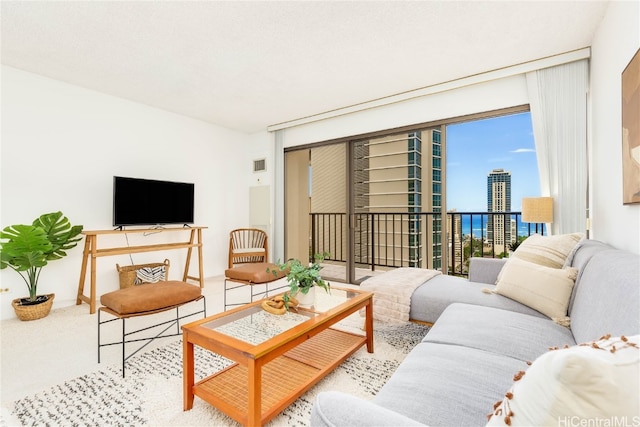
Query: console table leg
[(92, 301), (200, 266), (187, 264), (83, 269)]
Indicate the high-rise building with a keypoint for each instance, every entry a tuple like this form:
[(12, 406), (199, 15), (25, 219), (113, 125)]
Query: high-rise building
[(389, 178), (499, 200), (396, 193), (456, 239)]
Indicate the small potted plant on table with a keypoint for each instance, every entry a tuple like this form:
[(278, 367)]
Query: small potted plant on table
[(27, 248), (303, 279)]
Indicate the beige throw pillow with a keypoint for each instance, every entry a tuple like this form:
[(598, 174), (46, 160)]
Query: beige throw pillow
[(544, 289), (550, 251), (585, 385)]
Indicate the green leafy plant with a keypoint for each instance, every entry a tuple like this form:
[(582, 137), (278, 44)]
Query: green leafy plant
[(514, 245), (28, 248), (302, 278)]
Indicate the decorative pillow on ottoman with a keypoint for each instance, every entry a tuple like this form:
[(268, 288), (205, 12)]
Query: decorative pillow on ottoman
[(589, 384), (545, 289), (550, 251)]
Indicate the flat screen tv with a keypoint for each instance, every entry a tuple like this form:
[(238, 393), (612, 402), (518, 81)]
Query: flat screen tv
[(151, 202)]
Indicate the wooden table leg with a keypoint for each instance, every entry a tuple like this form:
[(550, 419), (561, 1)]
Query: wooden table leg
[(200, 266), (83, 269), (93, 296), (369, 325), (254, 407), (188, 369), (187, 263)]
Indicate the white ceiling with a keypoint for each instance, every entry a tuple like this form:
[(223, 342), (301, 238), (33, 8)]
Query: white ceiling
[(249, 64)]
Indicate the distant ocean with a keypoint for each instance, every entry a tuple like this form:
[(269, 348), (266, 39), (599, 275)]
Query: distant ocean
[(480, 226)]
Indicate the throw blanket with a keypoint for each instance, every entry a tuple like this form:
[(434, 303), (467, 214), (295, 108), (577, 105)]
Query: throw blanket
[(392, 292)]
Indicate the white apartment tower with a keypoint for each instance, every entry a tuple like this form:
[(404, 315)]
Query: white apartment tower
[(402, 174), (499, 200)]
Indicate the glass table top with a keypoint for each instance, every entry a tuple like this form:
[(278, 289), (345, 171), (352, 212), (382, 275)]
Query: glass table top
[(255, 326)]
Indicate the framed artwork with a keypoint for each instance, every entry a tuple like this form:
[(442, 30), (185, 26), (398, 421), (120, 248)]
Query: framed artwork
[(631, 131)]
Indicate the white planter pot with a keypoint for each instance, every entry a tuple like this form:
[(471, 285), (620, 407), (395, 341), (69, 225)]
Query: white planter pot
[(307, 300)]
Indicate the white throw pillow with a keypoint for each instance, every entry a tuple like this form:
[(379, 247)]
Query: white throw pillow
[(544, 289), (550, 251), (589, 384)]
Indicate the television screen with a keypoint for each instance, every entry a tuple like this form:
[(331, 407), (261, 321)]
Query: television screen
[(151, 202)]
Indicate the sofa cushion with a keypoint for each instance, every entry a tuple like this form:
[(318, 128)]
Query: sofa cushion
[(545, 289), (432, 298), (576, 385), (485, 270), (550, 251), (585, 250), (607, 296), (332, 408), (502, 332), (438, 383)]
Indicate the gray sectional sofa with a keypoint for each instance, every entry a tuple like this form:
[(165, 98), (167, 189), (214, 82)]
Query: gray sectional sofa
[(468, 359)]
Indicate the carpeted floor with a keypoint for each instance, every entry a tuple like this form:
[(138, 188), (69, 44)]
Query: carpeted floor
[(151, 393)]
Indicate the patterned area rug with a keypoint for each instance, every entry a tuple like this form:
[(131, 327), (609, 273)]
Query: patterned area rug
[(151, 393)]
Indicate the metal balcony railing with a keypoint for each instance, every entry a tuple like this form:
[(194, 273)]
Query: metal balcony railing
[(392, 239)]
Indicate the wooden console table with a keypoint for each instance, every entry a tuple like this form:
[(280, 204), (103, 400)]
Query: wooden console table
[(91, 251)]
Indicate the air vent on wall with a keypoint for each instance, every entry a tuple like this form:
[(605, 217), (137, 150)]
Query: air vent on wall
[(260, 165)]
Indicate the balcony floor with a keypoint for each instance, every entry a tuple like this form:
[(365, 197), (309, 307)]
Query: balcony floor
[(337, 272)]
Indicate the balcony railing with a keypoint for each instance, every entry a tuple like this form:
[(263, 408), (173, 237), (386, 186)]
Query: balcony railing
[(392, 240)]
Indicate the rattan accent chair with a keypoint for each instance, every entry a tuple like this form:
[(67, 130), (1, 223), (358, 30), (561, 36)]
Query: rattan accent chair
[(248, 245)]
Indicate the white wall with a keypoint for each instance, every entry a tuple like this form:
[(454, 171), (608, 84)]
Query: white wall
[(61, 147), (261, 146), (615, 43)]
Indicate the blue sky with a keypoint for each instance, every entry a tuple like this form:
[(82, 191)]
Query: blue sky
[(476, 148)]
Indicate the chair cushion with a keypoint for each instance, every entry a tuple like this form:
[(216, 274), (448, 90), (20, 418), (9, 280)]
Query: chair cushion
[(150, 297), (258, 272), (248, 250)]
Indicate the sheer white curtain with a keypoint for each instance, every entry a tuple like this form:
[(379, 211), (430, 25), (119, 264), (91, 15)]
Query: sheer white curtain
[(558, 101)]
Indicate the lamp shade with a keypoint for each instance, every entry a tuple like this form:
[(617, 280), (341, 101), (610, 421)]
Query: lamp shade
[(537, 209)]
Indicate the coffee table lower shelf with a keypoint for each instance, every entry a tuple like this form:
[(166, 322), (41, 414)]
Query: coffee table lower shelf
[(284, 379)]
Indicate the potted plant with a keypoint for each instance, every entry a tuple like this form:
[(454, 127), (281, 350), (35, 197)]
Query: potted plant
[(303, 279), (28, 248)]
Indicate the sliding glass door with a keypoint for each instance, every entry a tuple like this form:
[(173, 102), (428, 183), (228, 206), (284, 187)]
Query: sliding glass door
[(378, 201), (363, 205), (316, 219)]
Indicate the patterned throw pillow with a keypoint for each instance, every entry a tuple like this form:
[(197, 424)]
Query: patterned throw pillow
[(150, 275), (544, 289), (550, 251), (595, 383)]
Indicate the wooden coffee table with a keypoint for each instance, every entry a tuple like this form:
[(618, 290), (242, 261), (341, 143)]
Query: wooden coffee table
[(276, 358)]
